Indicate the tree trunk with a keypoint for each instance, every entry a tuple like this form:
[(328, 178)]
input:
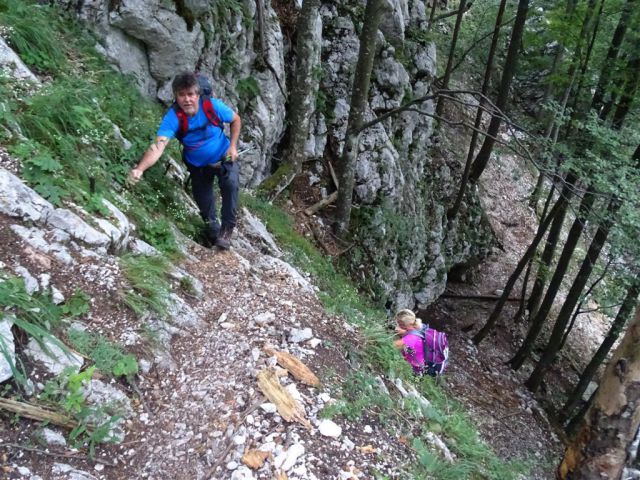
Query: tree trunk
[(632, 74), (510, 64), (557, 334), (452, 51), (302, 100), (578, 109), (612, 55), (528, 254), (561, 269), (451, 214), (359, 97), (599, 450), (575, 62), (549, 249), (305, 85), (616, 328)]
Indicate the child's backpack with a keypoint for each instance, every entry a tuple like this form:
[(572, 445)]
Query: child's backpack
[(207, 106), (436, 346)]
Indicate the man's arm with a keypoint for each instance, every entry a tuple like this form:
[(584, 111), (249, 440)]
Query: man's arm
[(150, 157), (234, 127)]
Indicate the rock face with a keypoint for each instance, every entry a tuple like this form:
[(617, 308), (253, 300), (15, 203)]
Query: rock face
[(404, 244)]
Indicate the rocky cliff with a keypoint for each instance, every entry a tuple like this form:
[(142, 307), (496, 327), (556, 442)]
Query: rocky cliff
[(402, 238)]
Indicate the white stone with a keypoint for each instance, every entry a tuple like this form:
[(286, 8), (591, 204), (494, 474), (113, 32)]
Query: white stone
[(347, 444), (232, 465), (53, 437), (31, 285), (328, 428), (264, 318), (18, 200), (54, 359), (7, 345), (269, 408), (297, 335), (242, 473), (314, 342), (368, 429), (70, 223), (288, 459), (239, 439), (70, 473)]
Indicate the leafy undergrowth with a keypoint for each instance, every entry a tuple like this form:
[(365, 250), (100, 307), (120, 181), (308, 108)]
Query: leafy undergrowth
[(360, 392)]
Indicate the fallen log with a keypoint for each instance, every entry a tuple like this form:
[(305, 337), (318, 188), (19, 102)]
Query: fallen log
[(287, 406), (321, 204), (294, 366), (37, 413), (489, 298)]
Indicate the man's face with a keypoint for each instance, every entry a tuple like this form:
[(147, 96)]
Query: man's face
[(187, 100)]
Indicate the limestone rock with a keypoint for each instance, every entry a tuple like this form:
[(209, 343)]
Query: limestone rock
[(7, 346), (10, 62), (18, 200), (53, 357)]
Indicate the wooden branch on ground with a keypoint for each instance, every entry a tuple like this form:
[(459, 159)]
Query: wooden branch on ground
[(333, 175), (321, 204), (37, 413), (491, 298), (58, 454), (318, 236)]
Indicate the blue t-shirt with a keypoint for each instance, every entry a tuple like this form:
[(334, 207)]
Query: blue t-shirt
[(203, 143)]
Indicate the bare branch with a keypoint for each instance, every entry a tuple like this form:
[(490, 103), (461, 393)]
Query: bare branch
[(452, 13)]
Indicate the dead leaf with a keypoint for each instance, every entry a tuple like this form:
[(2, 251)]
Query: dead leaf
[(280, 475), (367, 449), (403, 440), (255, 459), (287, 406), (298, 369)]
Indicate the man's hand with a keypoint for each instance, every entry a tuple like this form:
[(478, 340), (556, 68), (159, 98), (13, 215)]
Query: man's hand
[(232, 154), (134, 176)]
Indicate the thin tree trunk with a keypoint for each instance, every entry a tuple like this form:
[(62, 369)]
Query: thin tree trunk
[(608, 67), (359, 97), (452, 51), (510, 64), (575, 63), (549, 249), (557, 334), (599, 450), (579, 110), (632, 73), (561, 269), (451, 214), (525, 282), (578, 310), (434, 5), (528, 254), (614, 332), (302, 100)]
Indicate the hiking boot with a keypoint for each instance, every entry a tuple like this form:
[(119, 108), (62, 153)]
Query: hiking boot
[(224, 239)]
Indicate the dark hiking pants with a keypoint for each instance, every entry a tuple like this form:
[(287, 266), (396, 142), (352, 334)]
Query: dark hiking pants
[(202, 188)]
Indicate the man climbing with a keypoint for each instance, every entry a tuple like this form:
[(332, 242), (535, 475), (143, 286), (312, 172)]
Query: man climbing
[(197, 122)]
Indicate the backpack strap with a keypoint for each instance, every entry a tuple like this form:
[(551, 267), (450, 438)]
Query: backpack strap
[(183, 121), (210, 112)]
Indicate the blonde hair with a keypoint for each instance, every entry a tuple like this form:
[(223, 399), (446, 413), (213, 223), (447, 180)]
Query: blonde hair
[(408, 319)]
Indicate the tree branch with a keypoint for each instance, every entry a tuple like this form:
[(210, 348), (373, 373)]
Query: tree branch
[(452, 13)]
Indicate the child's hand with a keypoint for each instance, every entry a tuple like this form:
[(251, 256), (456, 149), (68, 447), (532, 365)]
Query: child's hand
[(400, 331)]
